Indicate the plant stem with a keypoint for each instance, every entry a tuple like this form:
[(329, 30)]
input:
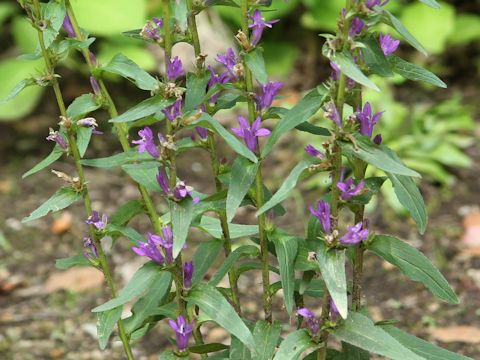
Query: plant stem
[(264, 255), (103, 262)]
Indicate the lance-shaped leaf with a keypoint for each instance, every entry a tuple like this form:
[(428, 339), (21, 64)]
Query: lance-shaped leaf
[(297, 115), (182, 215), (81, 106), (146, 108), (204, 257), (332, 267), (117, 159), (348, 66), (213, 227), (106, 323), (126, 212), (50, 159), (196, 89), (18, 89), (413, 264), (53, 14), (374, 57), (144, 173), (123, 66), (216, 307), (294, 345), (67, 263), (131, 234), (256, 64), (389, 19), (414, 72), (266, 339), (242, 176), (420, 346), (432, 3), (84, 134), (360, 331), (286, 248), (288, 185), (63, 198), (138, 284)]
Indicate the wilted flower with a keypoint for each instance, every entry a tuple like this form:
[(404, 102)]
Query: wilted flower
[(312, 323), (173, 111), (96, 221), (58, 138), (174, 69), (181, 190), (355, 234), (67, 25), (258, 25), (91, 251), (349, 190), (187, 274), (268, 92), (322, 213), (146, 142), (312, 150), (250, 133), (388, 44), (182, 331), (332, 113), (356, 27), (367, 119), (91, 123)]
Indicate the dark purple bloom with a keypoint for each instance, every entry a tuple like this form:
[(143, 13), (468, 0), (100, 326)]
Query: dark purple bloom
[(331, 113), (58, 138), (175, 69), (388, 44), (372, 3), (367, 119), (322, 213), (312, 323), (377, 139), (312, 150), (149, 249), (268, 92), (229, 60), (95, 86), (182, 331), (349, 190), (96, 221), (187, 274), (333, 310), (67, 25), (356, 27), (173, 111), (181, 191), (158, 21), (91, 123), (355, 234), (258, 25), (91, 251), (163, 181), (250, 133), (202, 132), (146, 143)]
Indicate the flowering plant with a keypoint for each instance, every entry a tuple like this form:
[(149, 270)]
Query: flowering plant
[(312, 268)]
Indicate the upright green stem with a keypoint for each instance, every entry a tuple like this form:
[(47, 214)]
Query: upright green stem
[(264, 255), (103, 262)]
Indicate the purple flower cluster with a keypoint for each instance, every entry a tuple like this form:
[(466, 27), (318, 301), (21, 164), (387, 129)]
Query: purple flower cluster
[(151, 29), (174, 111), (355, 234), (259, 24), (99, 223), (232, 66), (322, 213), (250, 133), (155, 245), (312, 322), (388, 44), (356, 27), (349, 190), (174, 69), (182, 331)]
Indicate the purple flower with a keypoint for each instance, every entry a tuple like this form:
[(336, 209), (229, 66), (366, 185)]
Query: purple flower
[(181, 191), (388, 44), (258, 25), (165, 242), (355, 234), (322, 213), (349, 190), (187, 274), (367, 119), (58, 138), (91, 251), (173, 111), (202, 132), (268, 92), (372, 3), (95, 86), (217, 79), (151, 29), (91, 123), (67, 25), (96, 221), (333, 310), (249, 133), (312, 323), (312, 150), (331, 113), (174, 69), (163, 181), (149, 249), (377, 139), (182, 331), (356, 27), (229, 60), (159, 21), (146, 143)]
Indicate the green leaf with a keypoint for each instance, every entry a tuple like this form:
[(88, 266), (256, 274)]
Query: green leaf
[(213, 227), (373, 55), (376, 155), (288, 185), (168, 355), (148, 304), (390, 19), (207, 348), (312, 129), (347, 65), (332, 267), (266, 339), (431, 3), (84, 134), (144, 173), (76, 260), (420, 346), (350, 352), (360, 331), (126, 212), (50, 159), (410, 197), (413, 264), (294, 345), (297, 115), (106, 323), (256, 64), (141, 281), (243, 174), (117, 159), (238, 351), (372, 186), (215, 306), (209, 122), (146, 108), (204, 257), (60, 200), (123, 66), (286, 248), (129, 233), (182, 215), (81, 106), (413, 72), (53, 14), (196, 89), (18, 89), (244, 250)]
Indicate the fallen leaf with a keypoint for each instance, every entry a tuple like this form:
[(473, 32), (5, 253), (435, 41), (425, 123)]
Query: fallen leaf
[(63, 223), (74, 279), (465, 334)]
